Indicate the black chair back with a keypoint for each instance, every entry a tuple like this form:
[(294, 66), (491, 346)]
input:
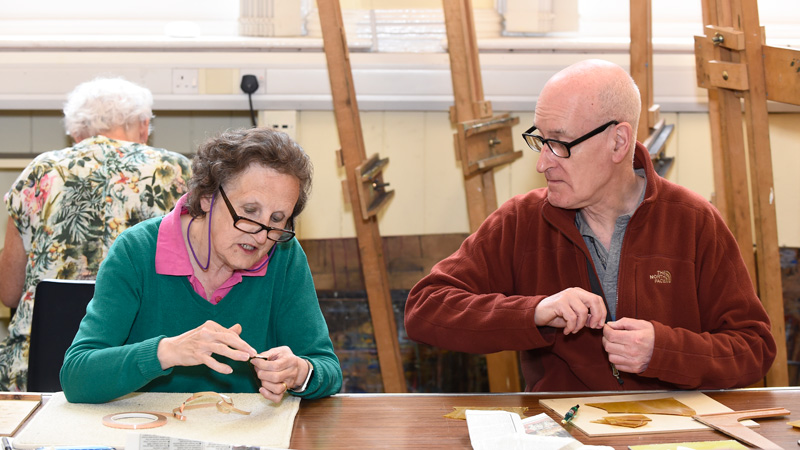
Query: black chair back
[(58, 308)]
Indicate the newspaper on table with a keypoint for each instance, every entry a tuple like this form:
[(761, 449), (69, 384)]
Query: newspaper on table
[(134, 441), (495, 430)]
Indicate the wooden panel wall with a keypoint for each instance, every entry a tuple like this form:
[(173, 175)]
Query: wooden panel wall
[(335, 263)]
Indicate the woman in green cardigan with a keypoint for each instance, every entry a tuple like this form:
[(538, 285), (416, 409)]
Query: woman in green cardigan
[(215, 296)]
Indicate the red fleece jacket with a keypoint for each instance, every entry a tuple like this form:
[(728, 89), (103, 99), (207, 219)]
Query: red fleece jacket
[(680, 269)]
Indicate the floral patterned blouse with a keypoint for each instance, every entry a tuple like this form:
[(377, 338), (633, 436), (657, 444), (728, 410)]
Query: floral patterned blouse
[(69, 205)]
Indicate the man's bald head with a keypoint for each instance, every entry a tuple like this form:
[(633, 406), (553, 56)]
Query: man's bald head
[(596, 88)]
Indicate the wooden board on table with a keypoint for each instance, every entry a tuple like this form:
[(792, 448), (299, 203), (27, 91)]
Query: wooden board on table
[(661, 423), (14, 409)]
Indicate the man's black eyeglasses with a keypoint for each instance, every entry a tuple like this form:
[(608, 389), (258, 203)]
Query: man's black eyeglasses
[(253, 227), (559, 148)]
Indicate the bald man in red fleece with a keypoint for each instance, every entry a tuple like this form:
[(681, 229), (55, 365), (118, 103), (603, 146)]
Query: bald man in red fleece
[(611, 277)]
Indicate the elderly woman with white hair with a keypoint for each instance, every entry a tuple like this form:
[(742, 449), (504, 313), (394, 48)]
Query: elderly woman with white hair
[(67, 206)]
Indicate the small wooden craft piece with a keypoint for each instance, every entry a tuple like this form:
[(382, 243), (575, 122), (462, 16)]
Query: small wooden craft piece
[(728, 423), (224, 405), (628, 420), (460, 412), (668, 406)]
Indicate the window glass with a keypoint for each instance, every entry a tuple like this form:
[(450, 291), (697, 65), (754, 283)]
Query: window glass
[(609, 18)]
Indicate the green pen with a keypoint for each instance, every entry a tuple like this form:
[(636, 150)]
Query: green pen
[(570, 414)]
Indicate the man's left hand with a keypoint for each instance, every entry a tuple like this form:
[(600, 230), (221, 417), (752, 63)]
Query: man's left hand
[(629, 343)]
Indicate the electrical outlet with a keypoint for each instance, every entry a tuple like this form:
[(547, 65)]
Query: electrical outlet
[(261, 76), (185, 81), (285, 121)]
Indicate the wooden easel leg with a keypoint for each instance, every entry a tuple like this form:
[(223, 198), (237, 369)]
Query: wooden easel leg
[(642, 61), (503, 367), (731, 160), (757, 119), (370, 245), (503, 372)]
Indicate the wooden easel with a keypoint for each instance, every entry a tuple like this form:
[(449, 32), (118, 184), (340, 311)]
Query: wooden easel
[(653, 131), (734, 64), (366, 190), (483, 141)]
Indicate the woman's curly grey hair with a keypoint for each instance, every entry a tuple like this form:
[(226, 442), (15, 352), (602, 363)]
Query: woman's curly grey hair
[(230, 153), (100, 105)]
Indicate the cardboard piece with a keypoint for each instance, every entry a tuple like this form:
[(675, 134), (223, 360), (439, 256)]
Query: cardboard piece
[(63, 423), (700, 402), (14, 409)]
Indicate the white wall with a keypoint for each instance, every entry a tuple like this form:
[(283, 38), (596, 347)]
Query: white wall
[(403, 97)]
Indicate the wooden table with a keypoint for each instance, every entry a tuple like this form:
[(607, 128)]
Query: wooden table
[(413, 421)]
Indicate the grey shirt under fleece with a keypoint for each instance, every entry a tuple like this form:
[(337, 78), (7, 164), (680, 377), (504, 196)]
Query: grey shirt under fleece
[(606, 261)]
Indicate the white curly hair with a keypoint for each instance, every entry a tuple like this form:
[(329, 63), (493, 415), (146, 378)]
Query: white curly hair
[(103, 104)]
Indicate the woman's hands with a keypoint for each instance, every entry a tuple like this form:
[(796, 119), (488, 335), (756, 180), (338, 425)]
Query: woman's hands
[(279, 370), (196, 347)]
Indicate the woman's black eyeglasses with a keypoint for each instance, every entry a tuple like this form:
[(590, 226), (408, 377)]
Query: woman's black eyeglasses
[(559, 148), (253, 227)]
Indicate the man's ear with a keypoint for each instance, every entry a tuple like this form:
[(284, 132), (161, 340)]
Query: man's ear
[(623, 135)]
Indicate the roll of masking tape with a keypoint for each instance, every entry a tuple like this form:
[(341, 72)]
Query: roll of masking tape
[(155, 420)]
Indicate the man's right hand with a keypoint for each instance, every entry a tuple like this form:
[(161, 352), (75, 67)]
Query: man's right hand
[(571, 309)]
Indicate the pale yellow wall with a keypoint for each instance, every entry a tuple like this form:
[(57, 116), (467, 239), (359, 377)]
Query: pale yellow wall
[(427, 180), (422, 171), (785, 142), (429, 194)]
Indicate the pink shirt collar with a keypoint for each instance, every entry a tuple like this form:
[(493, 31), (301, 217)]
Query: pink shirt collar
[(173, 259)]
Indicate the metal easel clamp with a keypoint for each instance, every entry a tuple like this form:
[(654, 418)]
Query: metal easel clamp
[(486, 143), (372, 193), (656, 145), (726, 37)]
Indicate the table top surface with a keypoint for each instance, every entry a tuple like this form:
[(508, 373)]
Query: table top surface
[(413, 421)]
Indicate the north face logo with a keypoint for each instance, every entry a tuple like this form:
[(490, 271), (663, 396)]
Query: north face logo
[(662, 276)]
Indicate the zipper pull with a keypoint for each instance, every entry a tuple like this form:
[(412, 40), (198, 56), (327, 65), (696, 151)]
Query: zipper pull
[(615, 372)]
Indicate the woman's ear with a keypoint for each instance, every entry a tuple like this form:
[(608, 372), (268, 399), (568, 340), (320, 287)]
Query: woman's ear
[(205, 203), (143, 131)]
